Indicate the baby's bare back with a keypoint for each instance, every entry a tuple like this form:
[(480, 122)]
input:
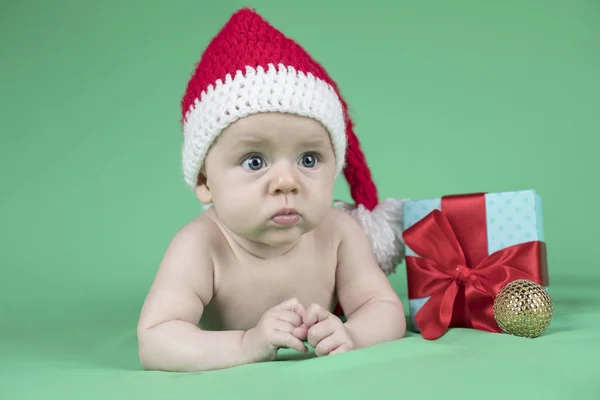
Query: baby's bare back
[(246, 287)]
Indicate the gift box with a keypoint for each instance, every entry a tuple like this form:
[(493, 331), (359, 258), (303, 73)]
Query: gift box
[(462, 249)]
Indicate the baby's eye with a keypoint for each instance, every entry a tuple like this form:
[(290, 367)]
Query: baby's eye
[(254, 163), (309, 160)]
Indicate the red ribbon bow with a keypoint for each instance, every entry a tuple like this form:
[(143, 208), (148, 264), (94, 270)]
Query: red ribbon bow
[(456, 271)]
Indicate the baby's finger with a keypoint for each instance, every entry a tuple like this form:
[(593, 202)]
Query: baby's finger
[(327, 345), (301, 310), (291, 317), (319, 332), (282, 339), (283, 326), (314, 314), (300, 332), (340, 349), (292, 305)]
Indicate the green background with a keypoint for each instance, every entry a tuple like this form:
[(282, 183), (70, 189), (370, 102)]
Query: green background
[(448, 97)]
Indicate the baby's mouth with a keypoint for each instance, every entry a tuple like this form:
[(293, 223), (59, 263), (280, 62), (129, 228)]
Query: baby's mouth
[(286, 217)]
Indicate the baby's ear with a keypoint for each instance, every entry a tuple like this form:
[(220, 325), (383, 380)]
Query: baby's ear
[(202, 190)]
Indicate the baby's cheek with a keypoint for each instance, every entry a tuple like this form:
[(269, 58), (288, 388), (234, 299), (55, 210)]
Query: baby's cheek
[(245, 205), (321, 206), (237, 204), (325, 195)]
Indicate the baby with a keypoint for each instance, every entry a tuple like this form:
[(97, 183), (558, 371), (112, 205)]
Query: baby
[(266, 134)]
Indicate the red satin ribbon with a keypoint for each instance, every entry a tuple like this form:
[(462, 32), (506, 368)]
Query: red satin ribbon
[(454, 267)]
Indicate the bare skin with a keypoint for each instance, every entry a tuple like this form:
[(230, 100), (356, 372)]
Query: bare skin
[(235, 285)]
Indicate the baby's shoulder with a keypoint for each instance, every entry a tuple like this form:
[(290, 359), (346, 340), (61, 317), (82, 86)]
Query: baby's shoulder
[(188, 264), (338, 223), (200, 235)]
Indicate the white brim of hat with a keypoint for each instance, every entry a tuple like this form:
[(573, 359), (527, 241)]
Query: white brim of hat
[(252, 91)]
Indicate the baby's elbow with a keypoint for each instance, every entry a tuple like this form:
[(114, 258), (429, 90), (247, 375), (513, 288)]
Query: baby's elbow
[(145, 361), (148, 358), (146, 349), (144, 355), (401, 329), (401, 321), (399, 317)]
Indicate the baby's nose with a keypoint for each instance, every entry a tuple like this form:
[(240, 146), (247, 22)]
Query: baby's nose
[(284, 181)]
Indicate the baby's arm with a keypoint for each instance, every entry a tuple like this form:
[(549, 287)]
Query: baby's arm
[(373, 310), (168, 336)]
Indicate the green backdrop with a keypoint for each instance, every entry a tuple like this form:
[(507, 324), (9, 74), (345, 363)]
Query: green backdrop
[(448, 97)]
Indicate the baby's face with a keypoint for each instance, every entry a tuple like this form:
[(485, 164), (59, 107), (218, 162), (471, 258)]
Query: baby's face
[(265, 164)]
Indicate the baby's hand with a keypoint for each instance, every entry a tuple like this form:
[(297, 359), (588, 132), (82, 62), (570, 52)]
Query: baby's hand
[(281, 326), (326, 332)]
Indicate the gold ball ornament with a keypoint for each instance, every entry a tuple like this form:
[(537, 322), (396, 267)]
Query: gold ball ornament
[(523, 308)]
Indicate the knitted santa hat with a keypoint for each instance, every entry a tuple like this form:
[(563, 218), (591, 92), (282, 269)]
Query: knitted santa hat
[(251, 67)]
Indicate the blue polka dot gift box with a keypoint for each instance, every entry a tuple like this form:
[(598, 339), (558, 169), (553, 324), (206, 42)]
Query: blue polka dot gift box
[(462, 249)]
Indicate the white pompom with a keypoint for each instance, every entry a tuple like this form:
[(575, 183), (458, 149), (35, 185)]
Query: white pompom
[(383, 226)]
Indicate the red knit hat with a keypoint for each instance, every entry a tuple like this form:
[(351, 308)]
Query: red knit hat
[(251, 67)]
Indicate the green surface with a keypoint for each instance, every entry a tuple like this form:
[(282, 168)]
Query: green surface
[(448, 97)]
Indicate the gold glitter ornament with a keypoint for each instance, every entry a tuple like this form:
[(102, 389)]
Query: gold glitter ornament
[(523, 308)]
